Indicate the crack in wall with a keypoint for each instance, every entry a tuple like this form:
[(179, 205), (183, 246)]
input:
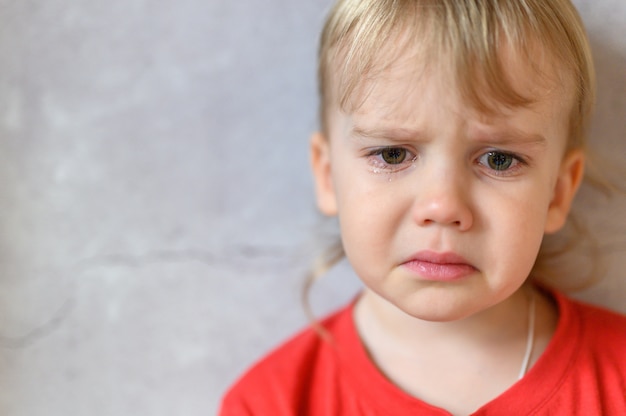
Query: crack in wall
[(232, 255), (39, 332)]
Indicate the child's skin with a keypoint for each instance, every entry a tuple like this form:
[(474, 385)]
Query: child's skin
[(452, 334)]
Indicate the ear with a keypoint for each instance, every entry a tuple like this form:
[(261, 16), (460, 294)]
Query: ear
[(322, 174), (569, 179)]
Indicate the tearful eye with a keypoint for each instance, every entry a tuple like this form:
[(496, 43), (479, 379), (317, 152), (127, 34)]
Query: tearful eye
[(390, 159), (499, 161), (393, 155)]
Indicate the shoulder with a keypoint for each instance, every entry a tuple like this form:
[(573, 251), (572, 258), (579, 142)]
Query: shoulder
[(599, 324), (281, 380), (596, 335), (585, 354)]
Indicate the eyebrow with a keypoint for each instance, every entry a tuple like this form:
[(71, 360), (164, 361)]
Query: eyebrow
[(394, 134), (509, 136)]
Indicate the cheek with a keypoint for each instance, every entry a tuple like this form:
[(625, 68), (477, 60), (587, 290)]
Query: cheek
[(371, 211), (364, 220), (520, 229)]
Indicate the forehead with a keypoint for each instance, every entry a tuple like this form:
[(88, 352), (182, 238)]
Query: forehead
[(412, 91), (513, 78), (474, 42), (522, 79)]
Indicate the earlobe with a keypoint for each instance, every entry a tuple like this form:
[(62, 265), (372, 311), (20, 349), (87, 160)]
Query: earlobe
[(567, 184), (321, 166)]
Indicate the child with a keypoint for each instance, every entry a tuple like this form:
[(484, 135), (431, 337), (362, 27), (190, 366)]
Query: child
[(452, 141)]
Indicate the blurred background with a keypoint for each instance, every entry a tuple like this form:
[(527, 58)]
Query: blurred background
[(156, 207)]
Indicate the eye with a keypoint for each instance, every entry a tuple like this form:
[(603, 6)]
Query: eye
[(390, 159), (393, 155), (500, 162)]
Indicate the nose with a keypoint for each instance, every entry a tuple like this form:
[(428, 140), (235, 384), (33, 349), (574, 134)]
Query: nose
[(442, 198)]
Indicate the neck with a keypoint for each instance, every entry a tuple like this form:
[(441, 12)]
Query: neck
[(501, 322), (437, 361)]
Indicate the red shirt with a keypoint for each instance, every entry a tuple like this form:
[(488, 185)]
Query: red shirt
[(582, 372)]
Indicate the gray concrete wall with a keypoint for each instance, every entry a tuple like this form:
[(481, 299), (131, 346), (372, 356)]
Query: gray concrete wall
[(156, 209)]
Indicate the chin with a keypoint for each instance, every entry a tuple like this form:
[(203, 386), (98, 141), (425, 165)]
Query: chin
[(438, 313)]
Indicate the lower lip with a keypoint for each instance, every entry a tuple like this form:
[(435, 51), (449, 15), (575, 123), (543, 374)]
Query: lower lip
[(441, 272)]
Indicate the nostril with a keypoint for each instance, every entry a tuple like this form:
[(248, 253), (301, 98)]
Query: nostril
[(444, 204)]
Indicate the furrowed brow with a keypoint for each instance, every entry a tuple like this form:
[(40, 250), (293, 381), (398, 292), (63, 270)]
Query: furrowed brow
[(511, 137), (394, 134), (505, 137), (508, 135)]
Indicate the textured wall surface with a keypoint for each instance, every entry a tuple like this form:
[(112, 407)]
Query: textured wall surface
[(156, 208)]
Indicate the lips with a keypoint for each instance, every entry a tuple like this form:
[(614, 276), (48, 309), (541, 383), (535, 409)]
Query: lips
[(443, 267)]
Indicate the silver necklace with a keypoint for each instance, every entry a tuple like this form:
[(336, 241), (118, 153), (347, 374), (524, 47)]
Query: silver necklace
[(530, 339)]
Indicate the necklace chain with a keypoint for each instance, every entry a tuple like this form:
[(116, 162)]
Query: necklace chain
[(530, 339)]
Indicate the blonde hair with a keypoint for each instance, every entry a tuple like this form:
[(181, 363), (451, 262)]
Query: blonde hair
[(361, 38)]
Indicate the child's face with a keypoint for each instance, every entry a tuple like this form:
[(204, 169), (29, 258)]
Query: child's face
[(442, 209)]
